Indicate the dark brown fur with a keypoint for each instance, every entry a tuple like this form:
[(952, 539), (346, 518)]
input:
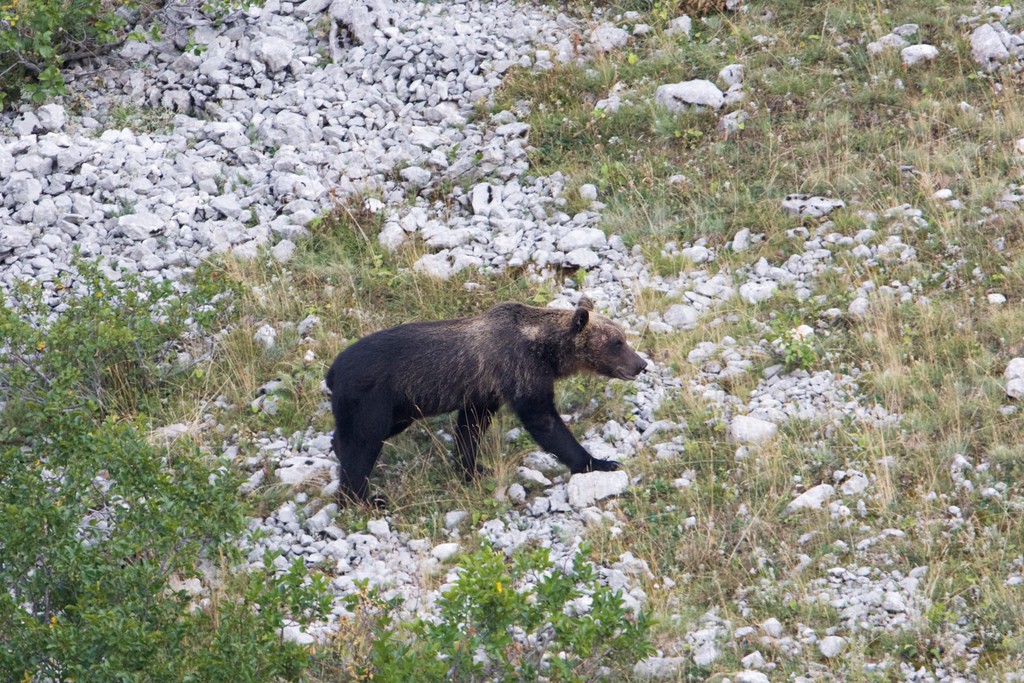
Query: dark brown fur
[(511, 354)]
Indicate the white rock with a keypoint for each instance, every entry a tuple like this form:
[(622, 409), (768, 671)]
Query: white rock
[(379, 527), (455, 518), (772, 627), (532, 476), (755, 660), (697, 254), (680, 26), (744, 429), (811, 499), (140, 226), (887, 42), (894, 602), (706, 653), (171, 433), (516, 493), (1014, 369), (484, 198), (732, 74), (294, 634), (588, 191), (806, 205), (658, 668), (586, 489), (987, 48), (416, 175), (275, 53), (298, 469), (831, 646), (679, 97), (751, 677), (581, 238), (996, 299), (732, 122), (391, 236), (435, 265), (51, 117), (916, 54), (607, 37), (681, 316), (1015, 388), (311, 7), (14, 237), (445, 551), (283, 251), (265, 336), (756, 292), (858, 307), (855, 484), (741, 240), (582, 258)]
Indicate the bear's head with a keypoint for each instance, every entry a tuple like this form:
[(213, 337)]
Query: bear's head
[(601, 345)]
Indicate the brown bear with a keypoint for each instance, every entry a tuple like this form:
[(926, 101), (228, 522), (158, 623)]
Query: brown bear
[(510, 354)]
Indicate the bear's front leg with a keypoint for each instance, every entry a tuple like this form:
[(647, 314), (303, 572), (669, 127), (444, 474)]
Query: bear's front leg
[(545, 425)]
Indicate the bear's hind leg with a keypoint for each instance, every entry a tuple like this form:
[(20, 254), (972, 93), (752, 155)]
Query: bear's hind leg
[(470, 426), (357, 446)]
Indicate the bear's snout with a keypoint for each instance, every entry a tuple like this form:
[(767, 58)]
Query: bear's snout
[(632, 367)]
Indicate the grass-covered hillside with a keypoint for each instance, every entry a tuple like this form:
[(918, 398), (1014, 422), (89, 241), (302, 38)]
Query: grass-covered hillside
[(819, 251)]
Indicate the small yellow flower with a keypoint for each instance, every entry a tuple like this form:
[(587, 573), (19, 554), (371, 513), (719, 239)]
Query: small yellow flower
[(40, 346), (99, 295), (53, 621), (498, 586)]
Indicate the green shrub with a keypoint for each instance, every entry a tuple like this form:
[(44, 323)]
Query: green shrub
[(36, 36), (109, 352), (98, 526), (504, 620), (798, 348)]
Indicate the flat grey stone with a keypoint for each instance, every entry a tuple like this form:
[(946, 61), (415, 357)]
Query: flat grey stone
[(607, 37), (140, 226), (744, 429), (586, 489), (918, 54), (813, 498), (696, 94)]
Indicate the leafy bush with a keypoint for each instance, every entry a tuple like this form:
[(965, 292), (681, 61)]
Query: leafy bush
[(518, 619), (106, 351), (37, 36), (99, 528), (797, 348)]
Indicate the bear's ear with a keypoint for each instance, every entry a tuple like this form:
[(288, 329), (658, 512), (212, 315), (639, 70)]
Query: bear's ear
[(586, 303), (580, 319)]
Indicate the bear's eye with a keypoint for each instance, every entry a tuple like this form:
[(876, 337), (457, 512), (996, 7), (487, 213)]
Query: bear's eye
[(617, 343)]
